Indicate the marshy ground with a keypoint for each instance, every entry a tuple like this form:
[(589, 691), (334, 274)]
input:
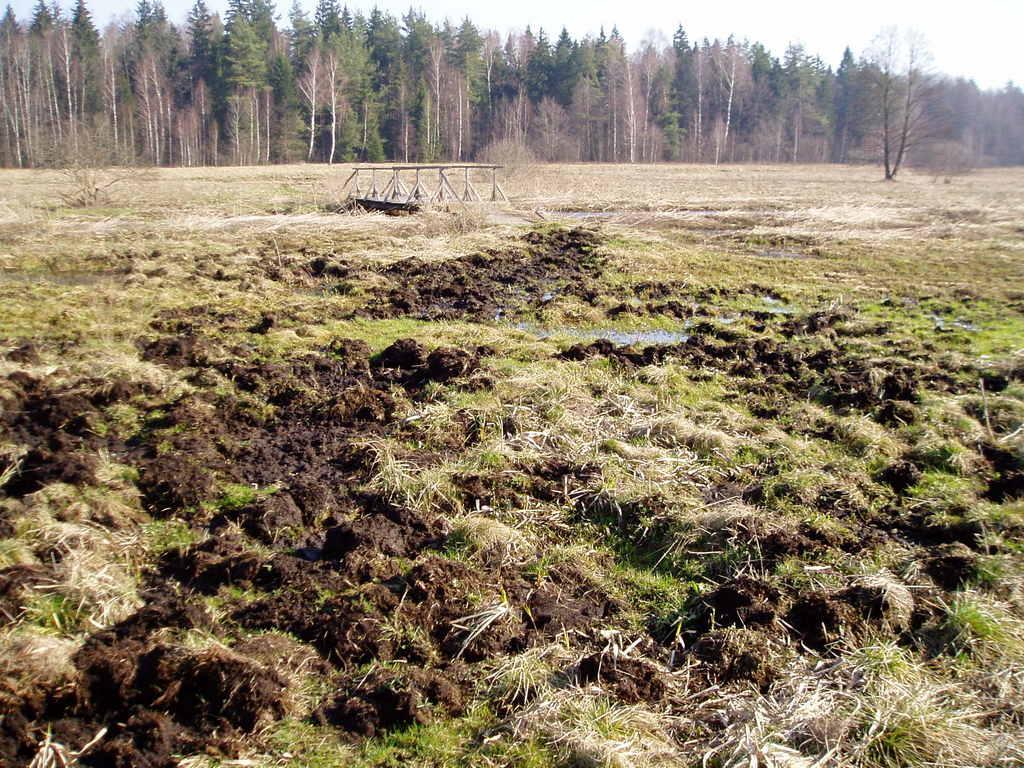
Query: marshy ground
[(660, 466)]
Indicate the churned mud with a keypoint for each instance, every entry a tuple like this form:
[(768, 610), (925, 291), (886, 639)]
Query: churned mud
[(494, 284), (326, 563), (302, 565)]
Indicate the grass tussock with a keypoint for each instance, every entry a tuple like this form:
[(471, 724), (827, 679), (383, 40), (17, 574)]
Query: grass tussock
[(590, 730)]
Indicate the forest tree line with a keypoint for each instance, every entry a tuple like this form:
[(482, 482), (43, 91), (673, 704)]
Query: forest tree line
[(333, 85)]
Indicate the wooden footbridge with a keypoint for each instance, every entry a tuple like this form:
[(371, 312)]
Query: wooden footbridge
[(396, 188)]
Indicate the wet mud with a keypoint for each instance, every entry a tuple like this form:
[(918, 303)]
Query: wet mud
[(270, 463), (495, 284)]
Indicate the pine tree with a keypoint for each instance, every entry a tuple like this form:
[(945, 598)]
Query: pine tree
[(9, 24), (43, 18), (841, 106), (303, 35), (85, 31), (538, 69), (87, 55), (261, 17), (246, 59), (327, 19), (286, 144), (564, 69), (200, 33), (468, 44), (149, 18)]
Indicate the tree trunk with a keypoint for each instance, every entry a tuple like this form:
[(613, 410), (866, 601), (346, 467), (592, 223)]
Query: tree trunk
[(67, 88), (334, 119)]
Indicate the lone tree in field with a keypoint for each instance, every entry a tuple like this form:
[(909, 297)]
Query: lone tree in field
[(902, 87)]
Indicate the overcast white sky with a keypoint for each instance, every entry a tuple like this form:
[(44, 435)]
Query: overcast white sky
[(978, 39)]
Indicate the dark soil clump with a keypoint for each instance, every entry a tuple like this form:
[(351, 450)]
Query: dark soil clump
[(629, 680), (218, 561), (819, 619), (386, 700), (742, 602), (26, 353), (496, 283), (900, 475), (732, 655), (393, 532), (1007, 481), (58, 428), (773, 371), (952, 565)]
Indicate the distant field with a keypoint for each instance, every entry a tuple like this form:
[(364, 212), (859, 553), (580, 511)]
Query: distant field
[(655, 465)]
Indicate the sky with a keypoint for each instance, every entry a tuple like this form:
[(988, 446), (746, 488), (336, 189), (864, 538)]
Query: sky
[(979, 40)]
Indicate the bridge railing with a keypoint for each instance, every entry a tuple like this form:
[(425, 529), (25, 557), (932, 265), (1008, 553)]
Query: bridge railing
[(422, 183)]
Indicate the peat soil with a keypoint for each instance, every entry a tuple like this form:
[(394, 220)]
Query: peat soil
[(311, 551), (485, 286), (349, 572)]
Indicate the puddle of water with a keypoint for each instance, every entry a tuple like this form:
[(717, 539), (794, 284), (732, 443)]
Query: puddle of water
[(619, 336), (777, 306), (69, 277), (941, 324)]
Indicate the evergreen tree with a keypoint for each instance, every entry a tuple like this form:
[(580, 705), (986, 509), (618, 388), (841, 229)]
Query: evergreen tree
[(327, 19), (564, 69), (246, 58), (200, 34), (538, 69), (43, 18), (841, 106), (261, 17), (384, 40), (303, 34), (87, 55), (416, 43), (150, 23), (86, 36), (384, 46), (467, 59), (9, 24), (287, 138)]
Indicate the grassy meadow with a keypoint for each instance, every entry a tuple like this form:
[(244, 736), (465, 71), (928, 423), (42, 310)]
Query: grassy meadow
[(653, 466)]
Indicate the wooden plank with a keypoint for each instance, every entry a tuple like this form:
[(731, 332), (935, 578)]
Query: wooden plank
[(386, 206)]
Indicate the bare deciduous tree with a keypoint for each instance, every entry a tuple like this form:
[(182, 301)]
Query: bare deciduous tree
[(902, 86)]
